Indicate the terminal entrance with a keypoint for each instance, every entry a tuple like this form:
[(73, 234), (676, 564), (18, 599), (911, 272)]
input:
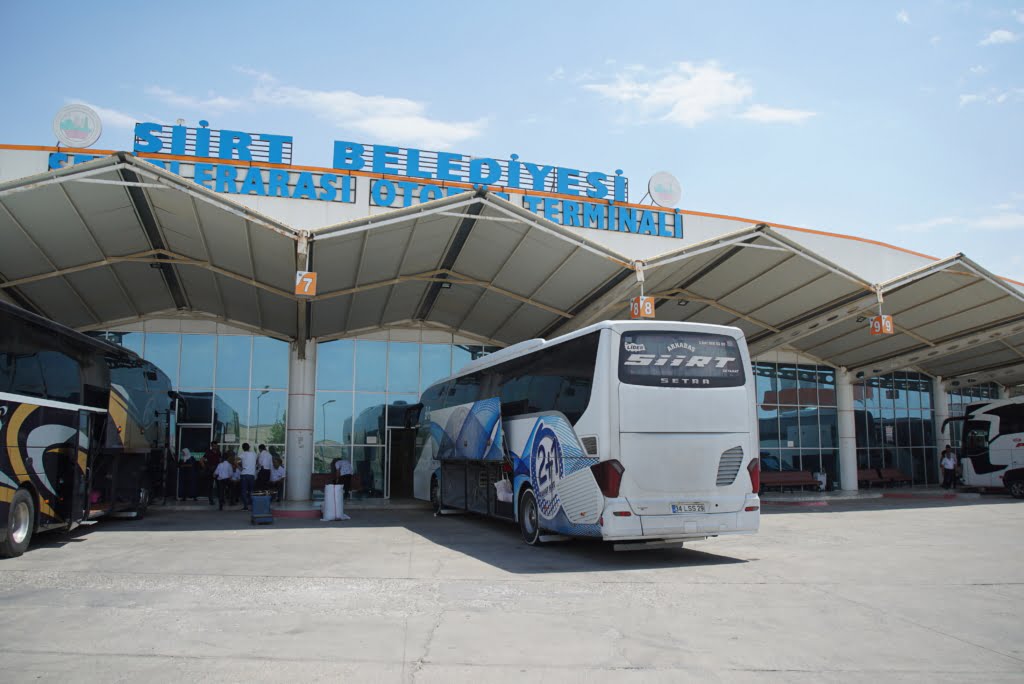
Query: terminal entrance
[(400, 457)]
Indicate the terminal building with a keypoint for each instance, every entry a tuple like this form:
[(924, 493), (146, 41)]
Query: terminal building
[(305, 306)]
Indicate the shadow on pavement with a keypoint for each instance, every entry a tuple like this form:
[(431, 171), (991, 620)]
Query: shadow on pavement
[(494, 542)]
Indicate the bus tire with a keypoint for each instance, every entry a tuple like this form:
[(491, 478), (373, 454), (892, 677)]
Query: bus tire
[(1016, 488), (529, 517), (21, 517), (435, 494)]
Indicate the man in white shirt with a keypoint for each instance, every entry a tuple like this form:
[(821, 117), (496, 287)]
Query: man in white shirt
[(277, 477), (264, 464), (948, 464), (222, 476), (344, 466), (248, 463)]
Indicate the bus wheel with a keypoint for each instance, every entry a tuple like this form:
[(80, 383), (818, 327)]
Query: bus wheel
[(435, 495), (20, 517), (1017, 489), (529, 519)]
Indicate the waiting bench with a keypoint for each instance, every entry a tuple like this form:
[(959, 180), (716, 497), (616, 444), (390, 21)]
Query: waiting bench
[(893, 476), (868, 476), (790, 479)]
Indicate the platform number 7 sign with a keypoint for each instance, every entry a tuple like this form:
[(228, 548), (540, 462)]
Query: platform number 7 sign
[(305, 283)]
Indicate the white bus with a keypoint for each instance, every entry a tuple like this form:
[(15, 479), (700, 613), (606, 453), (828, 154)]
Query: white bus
[(992, 446), (635, 432)]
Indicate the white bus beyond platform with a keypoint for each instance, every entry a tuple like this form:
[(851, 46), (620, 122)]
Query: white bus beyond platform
[(633, 432)]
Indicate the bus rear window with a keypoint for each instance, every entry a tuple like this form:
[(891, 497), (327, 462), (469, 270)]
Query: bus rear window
[(680, 359)]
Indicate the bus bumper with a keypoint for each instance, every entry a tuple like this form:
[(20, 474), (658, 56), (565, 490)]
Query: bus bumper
[(632, 527)]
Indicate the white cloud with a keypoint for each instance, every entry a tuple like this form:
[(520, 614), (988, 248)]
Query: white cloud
[(929, 225), (211, 102), (1006, 220), (686, 94), (111, 117), (1002, 221), (557, 75), (1005, 206), (388, 118), (1018, 15), (903, 17), (935, 40), (776, 114), (992, 96), (978, 70), (1000, 36)]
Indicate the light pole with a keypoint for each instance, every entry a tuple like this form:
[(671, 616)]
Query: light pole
[(324, 410), (258, 397)]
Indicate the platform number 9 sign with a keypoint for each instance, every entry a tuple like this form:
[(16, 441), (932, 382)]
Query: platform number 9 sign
[(882, 325), (641, 307)]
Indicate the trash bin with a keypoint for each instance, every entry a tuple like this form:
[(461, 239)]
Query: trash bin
[(261, 512)]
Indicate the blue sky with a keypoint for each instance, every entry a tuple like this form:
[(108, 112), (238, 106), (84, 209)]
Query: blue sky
[(896, 121)]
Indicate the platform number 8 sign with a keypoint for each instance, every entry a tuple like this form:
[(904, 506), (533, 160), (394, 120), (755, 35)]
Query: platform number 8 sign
[(641, 307)]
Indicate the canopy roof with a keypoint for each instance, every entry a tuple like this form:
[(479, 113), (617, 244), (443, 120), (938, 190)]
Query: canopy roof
[(118, 239)]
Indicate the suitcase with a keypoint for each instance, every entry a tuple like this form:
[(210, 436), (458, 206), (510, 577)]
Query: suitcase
[(261, 512)]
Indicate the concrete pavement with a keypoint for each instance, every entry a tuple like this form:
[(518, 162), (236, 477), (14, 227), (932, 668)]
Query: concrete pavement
[(860, 591)]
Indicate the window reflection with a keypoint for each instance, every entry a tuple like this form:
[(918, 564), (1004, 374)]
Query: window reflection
[(269, 363), (436, 363), (162, 350), (334, 365), (371, 365), (233, 353), (198, 351), (403, 366)]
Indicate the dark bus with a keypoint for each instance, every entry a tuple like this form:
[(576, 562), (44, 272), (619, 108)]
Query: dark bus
[(84, 428)]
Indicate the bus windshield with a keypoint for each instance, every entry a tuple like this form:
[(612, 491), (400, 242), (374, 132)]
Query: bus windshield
[(680, 359)]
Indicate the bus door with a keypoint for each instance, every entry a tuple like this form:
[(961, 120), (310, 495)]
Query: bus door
[(399, 462), (76, 470)]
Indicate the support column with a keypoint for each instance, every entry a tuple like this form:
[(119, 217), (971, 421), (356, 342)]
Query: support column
[(847, 431), (940, 398), (301, 410), (1001, 392)]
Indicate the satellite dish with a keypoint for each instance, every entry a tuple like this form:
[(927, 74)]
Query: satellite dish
[(664, 189), (77, 126)]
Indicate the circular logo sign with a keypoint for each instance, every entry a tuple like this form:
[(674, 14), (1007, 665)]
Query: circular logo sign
[(77, 126), (664, 189), (546, 460)]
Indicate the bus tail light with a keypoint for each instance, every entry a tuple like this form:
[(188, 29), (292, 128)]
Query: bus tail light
[(754, 468), (609, 476)]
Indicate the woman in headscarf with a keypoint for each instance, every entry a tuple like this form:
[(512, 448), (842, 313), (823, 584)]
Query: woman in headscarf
[(187, 467)]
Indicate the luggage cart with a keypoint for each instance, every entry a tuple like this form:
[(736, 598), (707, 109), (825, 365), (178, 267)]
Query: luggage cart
[(261, 511)]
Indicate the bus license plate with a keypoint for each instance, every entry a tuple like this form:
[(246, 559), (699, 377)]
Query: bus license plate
[(688, 508)]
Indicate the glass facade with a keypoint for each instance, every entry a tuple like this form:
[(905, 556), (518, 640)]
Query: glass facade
[(361, 387), (895, 425), (960, 398), (797, 417), (234, 388)]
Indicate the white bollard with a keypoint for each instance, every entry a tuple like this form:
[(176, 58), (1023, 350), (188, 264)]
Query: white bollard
[(330, 510)]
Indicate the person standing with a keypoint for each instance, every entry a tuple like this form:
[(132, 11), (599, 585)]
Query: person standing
[(222, 477), (248, 477), (211, 459), (277, 477), (264, 464), (187, 467), (948, 464), (236, 477), (344, 466)]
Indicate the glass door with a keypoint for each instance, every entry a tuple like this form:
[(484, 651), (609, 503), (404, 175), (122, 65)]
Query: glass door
[(189, 480)]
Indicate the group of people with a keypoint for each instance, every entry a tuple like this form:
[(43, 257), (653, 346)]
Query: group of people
[(232, 477)]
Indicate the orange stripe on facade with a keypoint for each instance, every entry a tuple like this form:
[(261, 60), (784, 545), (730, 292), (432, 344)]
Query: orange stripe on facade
[(470, 186)]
